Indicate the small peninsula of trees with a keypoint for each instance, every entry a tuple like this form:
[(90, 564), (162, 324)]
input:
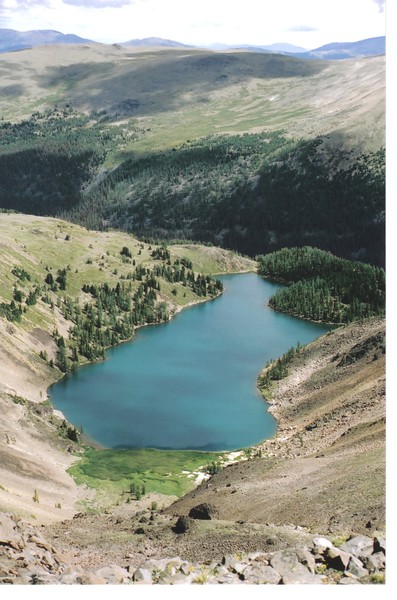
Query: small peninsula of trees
[(323, 287), (277, 369)]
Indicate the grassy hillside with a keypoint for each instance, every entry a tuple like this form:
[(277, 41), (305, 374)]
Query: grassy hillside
[(182, 94), (39, 256), (150, 141), (253, 192)]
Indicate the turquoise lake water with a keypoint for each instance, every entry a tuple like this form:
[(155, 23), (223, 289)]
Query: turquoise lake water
[(189, 383)]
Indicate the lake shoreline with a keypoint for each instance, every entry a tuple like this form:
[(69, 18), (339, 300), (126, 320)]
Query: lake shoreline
[(244, 309)]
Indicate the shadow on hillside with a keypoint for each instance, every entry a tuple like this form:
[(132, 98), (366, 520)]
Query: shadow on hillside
[(160, 81)]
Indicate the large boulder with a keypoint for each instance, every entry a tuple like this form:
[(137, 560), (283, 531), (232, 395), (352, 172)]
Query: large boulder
[(182, 525), (203, 511)]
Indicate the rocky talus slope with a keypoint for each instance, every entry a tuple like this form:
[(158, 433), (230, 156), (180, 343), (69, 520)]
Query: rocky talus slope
[(26, 557)]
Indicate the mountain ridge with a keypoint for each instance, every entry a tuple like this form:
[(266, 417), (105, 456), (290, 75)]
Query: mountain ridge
[(155, 41), (344, 50), (12, 40)]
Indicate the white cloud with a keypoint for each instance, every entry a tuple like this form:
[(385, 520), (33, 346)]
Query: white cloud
[(98, 3), (307, 23), (303, 28), (381, 5)]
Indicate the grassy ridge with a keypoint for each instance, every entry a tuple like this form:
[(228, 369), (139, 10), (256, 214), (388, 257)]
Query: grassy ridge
[(254, 193), (181, 94), (133, 154)]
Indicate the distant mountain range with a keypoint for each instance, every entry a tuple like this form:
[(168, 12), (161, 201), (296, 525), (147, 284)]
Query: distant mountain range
[(11, 40), (155, 41), (273, 48), (339, 51)]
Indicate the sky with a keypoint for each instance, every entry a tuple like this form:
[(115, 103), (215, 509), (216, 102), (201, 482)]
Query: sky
[(304, 23)]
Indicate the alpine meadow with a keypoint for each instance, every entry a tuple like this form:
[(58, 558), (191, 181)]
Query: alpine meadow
[(233, 200)]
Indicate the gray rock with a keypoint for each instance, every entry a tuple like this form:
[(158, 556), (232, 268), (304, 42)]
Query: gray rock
[(356, 567), (302, 577), (228, 559), (70, 579), (260, 556), (359, 545), (221, 570), (71, 570), (375, 562), (348, 581), (177, 579), (261, 575), (143, 576), (307, 559), (321, 543), (90, 579), (113, 574), (233, 564), (8, 534), (337, 559), (41, 543), (185, 568), (153, 564), (285, 562), (229, 578)]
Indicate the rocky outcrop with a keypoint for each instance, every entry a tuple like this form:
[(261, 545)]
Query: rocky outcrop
[(26, 557), (203, 511)]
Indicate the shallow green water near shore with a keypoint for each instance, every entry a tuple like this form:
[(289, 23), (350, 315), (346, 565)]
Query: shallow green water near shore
[(189, 383)]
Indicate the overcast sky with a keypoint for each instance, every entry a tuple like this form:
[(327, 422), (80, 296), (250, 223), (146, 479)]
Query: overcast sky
[(306, 23)]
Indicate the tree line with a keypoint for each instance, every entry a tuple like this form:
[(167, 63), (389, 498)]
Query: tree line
[(253, 193)]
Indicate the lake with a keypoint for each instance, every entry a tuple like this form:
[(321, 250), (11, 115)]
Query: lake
[(189, 383)]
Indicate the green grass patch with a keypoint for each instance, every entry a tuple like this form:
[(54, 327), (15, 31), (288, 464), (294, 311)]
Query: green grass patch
[(168, 472)]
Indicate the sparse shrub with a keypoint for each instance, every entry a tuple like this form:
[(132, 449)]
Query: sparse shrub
[(213, 467), (125, 251), (378, 578)]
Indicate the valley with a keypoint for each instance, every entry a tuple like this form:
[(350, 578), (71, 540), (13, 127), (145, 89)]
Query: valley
[(130, 179), (186, 144)]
